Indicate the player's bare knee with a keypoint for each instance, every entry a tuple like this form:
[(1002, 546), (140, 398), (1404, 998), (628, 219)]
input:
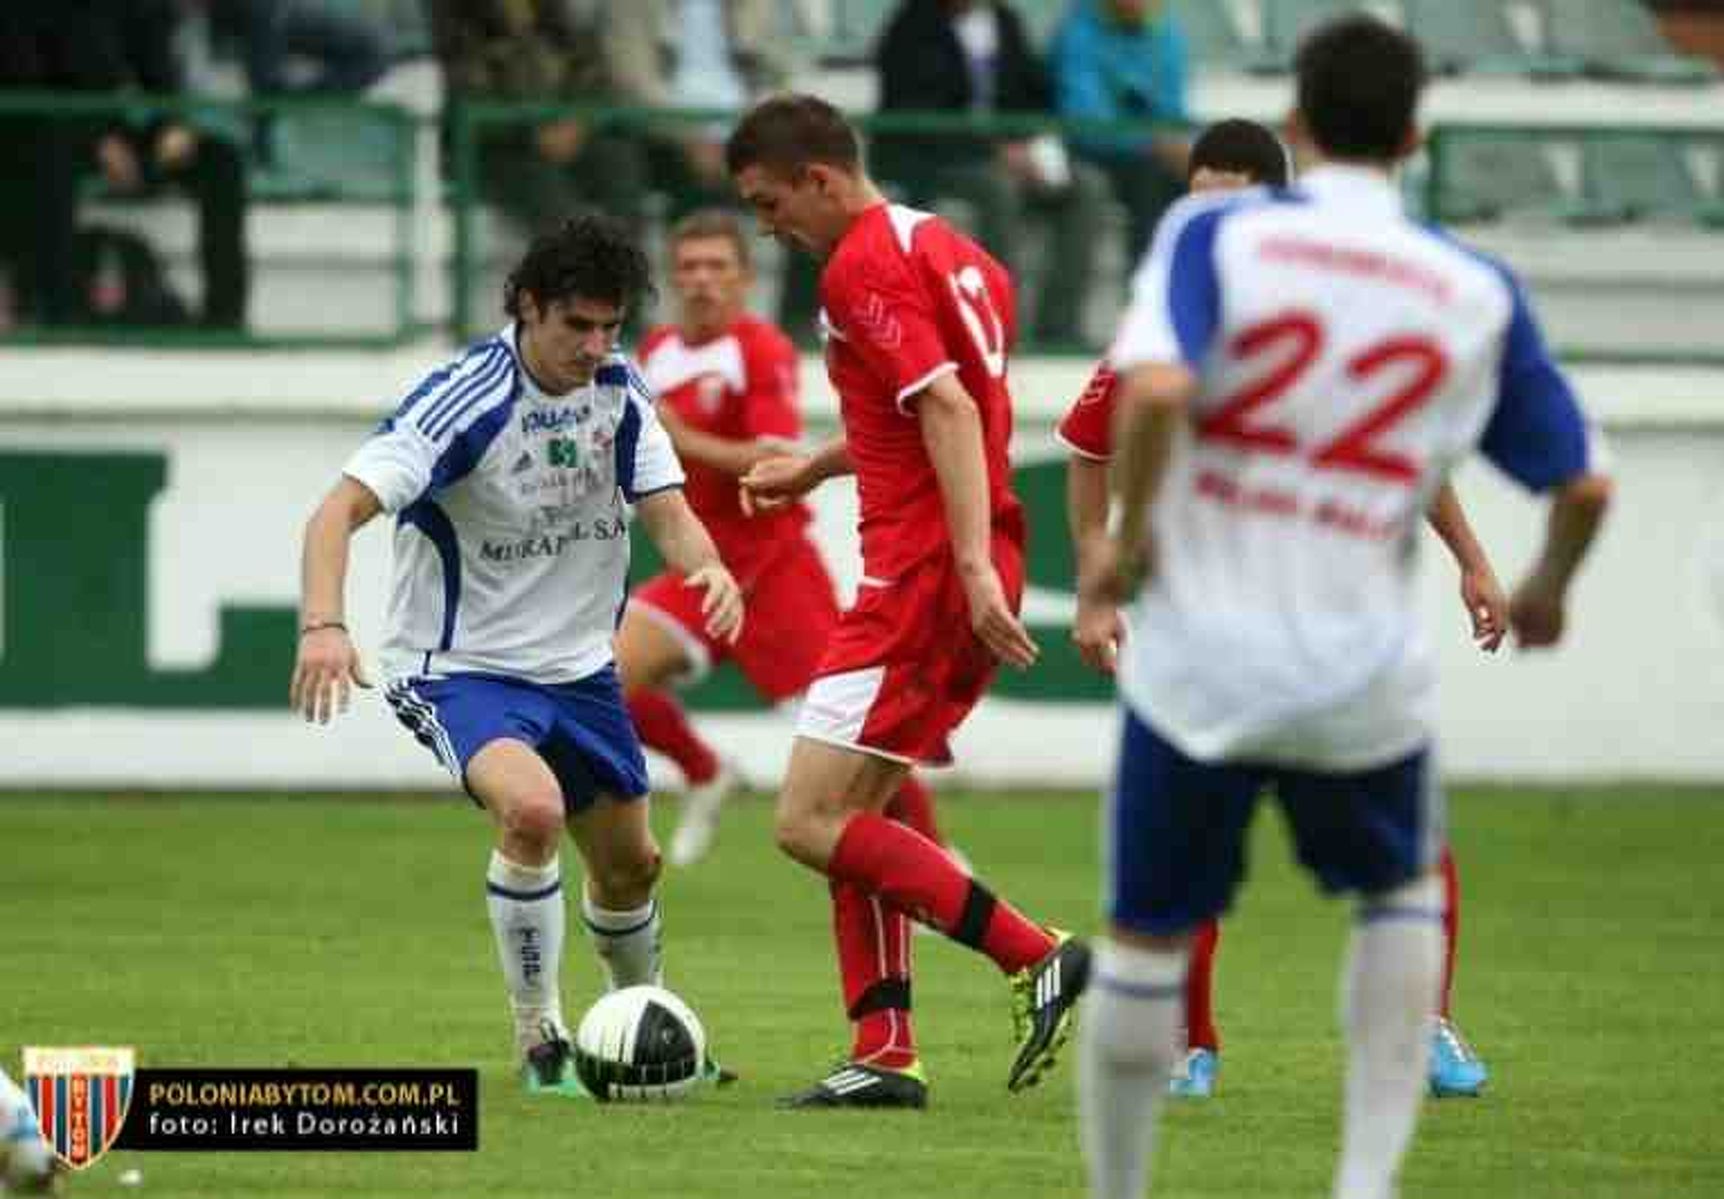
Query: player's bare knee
[(787, 831), (801, 834), (535, 823), (625, 879)]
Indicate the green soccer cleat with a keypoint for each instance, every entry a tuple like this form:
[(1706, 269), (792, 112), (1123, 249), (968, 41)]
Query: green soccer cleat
[(1044, 999), (549, 1068), (855, 1085), (717, 1075)]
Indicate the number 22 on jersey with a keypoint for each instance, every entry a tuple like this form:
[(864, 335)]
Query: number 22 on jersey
[(1246, 418)]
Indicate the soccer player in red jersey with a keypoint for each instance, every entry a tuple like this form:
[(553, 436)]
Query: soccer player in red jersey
[(919, 321), (1229, 155), (726, 387)]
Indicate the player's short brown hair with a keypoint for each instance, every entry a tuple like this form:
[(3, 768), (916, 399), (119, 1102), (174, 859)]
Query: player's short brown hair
[(713, 223), (788, 132)]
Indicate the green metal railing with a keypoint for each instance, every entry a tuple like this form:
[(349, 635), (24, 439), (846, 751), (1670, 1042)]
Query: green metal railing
[(392, 177), (470, 123)]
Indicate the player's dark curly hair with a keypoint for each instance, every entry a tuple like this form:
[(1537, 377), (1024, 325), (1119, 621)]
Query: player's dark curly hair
[(590, 255), (1244, 147), (1358, 83)]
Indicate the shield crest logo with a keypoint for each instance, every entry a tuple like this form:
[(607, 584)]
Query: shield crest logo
[(81, 1096)]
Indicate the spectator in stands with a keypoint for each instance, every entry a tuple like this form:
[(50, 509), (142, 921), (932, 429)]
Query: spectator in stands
[(691, 54), (99, 46), (974, 56), (539, 51), (1125, 60), (348, 50)]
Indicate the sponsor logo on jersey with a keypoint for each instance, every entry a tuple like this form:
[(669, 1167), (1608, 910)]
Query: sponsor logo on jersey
[(553, 545), (554, 420)]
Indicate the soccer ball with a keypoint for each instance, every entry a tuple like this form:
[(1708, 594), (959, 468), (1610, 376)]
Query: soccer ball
[(641, 1044)]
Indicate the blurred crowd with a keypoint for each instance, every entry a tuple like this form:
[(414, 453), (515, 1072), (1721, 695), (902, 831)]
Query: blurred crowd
[(1104, 61)]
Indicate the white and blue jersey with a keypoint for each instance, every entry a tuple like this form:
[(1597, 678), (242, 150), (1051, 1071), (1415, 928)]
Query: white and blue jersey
[(1347, 359), (511, 538)]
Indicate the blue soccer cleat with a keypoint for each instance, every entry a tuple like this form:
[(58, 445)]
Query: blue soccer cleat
[(1195, 1078), (1455, 1069)]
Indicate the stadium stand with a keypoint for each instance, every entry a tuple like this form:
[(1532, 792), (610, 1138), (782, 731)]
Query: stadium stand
[(1631, 176), (1569, 136), (1619, 39), (1480, 37)]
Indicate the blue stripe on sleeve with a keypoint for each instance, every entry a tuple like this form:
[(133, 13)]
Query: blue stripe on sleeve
[(1536, 434), (1193, 289), (438, 420), (429, 519), (468, 446), (441, 386), (638, 383), (427, 386), (627, 445)]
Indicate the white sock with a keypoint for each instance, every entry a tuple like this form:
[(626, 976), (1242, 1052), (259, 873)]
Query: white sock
[(1126, 1054), (626, 941), (1389, 991), (526, 904)]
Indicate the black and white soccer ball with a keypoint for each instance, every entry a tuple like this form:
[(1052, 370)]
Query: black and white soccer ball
[(640, 1044)]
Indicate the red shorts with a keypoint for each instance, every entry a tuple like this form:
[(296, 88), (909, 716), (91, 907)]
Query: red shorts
[(903, 669), (790, 608)]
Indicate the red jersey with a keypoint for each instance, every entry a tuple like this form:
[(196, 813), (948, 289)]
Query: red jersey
[(904, 299), (1087, 429), (740, 385)]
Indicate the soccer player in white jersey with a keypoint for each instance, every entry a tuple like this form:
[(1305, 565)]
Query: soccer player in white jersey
[(511, 473), (1302, 370), (1228, 156)]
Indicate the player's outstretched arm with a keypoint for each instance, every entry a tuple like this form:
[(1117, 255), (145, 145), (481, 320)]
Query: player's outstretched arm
[(952, 434), (680, 537), (1153, 400), (783, 478), (1096, 629), (1481, 594), (732, 455), (327, 665), (1537, 612)]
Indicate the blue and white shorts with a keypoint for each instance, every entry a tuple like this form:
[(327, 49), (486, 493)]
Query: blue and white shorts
[(1177, 828), (581, 729)]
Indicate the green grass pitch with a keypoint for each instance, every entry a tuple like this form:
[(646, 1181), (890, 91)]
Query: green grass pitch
[(268, 930)]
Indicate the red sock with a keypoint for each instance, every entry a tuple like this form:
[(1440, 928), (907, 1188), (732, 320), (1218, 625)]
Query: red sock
[(664, 726), (1451, 926), (913, 806), (1200, 989), (874, 968), (908, 871)]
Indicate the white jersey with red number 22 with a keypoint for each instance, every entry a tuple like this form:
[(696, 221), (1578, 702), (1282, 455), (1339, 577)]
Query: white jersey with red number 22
[(1348, 358)]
